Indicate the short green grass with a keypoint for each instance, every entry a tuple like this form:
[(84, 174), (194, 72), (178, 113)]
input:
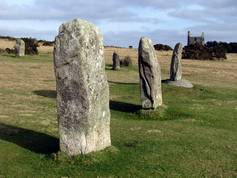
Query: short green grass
[(196, 135), (42, 57)]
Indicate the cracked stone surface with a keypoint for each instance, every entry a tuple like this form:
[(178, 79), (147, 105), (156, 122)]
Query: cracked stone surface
[(82, 88), (176, 66), (150, 75), (20, 47)]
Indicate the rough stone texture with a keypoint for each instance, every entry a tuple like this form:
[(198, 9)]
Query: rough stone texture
[(116, 61), (176, 66), (82, 88), (150, 75), (20, 47), (179, 83)]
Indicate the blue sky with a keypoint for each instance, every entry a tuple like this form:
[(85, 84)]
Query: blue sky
[(123, 22)]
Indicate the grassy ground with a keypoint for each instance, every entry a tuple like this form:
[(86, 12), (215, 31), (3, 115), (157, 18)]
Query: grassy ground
[(194, 137)]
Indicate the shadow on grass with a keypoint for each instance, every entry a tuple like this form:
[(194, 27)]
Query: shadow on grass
[(108, 67), (124, 107), (165, 81), (9, 55), (46, 93), (122, 83), (34, 141)]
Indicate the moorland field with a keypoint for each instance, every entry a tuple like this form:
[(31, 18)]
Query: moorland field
[(195, 136)]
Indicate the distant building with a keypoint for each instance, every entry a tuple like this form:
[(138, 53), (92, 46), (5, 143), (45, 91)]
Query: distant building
[(196, 39)]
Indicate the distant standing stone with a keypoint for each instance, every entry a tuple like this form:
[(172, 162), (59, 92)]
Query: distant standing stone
[(20, 47), (116, 61), (176, 66), (82, 88), (150, 75)]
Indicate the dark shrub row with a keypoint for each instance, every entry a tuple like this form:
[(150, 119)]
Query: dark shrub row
[(7, 37), (8, 51), (204, 52), (31, 45), (229, 47), (162, 47), (127, 61)]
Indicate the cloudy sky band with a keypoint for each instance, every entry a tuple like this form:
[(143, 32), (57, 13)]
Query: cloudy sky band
[(123, 22)]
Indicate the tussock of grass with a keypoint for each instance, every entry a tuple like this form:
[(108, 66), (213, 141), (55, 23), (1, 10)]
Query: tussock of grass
[(157, 114)]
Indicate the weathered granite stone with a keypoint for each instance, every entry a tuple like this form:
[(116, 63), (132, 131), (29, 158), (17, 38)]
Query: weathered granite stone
[(82, 88), (150, 75), (20, 47), (176, 66), (116, 61)]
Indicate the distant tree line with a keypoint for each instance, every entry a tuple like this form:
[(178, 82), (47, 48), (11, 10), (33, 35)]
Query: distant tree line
[(200, 52), (46, 43), (7, 37), (31, 45), (112, 46), (212, 50), (162, 47), (228, 47)]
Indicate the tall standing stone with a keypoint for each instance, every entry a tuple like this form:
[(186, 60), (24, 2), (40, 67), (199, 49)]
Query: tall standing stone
[(176, 66), (150, 75), (82, 88), (20, 47), (116, 61)]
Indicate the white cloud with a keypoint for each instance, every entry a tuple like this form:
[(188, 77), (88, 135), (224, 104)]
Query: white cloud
[(123, 22)]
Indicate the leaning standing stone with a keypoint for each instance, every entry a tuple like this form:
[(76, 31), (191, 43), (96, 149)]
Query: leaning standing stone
[(82, 88), (20, 47), (150, 75), (116, 61), (176, 66)]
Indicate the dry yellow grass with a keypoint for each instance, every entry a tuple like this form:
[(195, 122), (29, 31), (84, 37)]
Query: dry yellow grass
[(133, 53), (209, 73), (34, 75), (45, 49), (212, 73), (5, 43), (26, 76)]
